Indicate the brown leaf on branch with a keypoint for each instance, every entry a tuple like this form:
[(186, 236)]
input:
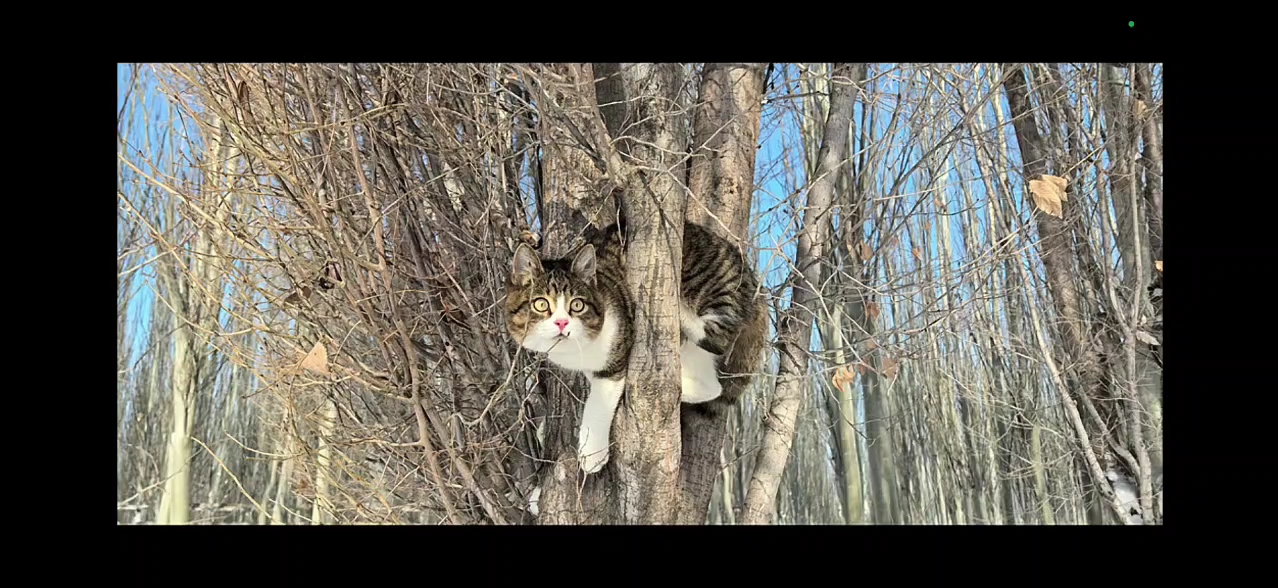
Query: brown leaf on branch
[(871, 310), (1048, 194), (891, 366), (865, 251), (317, 360), (1060, 183), (843, 376), (297, 296)]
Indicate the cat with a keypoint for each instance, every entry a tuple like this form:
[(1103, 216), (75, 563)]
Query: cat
[(577, 311)]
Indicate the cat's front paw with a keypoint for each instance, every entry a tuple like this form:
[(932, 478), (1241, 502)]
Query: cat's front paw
[(592, 455)]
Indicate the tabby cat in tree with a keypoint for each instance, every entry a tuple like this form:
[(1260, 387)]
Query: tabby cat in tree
[(577, 311)]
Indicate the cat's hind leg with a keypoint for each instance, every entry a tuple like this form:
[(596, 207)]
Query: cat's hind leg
[(700, 374), (699, 356)]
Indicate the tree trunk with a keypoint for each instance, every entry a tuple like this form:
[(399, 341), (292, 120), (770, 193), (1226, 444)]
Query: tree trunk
[(1120, 144), (721, 180), (849, 452), (1151, 373), (1056, 253), (852, 217), (881, 466), (639, 115), (1040, 476), (795, 329), (725, 141), (879, 438), (647, 427), (175, 506), (285, 481), (323, 506), (266, 493), (194, 287), (569, 203)]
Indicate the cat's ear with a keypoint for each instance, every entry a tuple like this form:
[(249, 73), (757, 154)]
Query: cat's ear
[(583, 264), (526, 265)]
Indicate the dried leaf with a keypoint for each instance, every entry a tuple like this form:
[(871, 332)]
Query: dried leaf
[(939, 202), (1059, 182), (317, 360), (1047, 196), (871, 345), (843, 376), (1159, 266), (298, 295), (891, 366), (871, 310), (1147, 338), (918, 254), (1140, 108), (865, 252)]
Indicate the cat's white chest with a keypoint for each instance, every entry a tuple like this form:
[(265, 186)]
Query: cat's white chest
[(586, 356)]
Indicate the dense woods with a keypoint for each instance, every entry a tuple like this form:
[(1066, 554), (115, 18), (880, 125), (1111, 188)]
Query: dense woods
[(962, 265)]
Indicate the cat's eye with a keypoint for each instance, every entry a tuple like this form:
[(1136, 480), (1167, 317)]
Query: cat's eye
[(541, 305), (577, 305)]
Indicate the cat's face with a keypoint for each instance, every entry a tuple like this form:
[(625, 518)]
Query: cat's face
[(553, 302)]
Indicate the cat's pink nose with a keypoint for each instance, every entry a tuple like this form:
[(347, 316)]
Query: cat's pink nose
[(561, 323)]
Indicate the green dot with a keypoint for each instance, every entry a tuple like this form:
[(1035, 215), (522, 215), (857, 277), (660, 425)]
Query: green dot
[(1131, 23)]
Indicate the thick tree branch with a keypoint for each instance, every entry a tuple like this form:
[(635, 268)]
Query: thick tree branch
[(795, 330)]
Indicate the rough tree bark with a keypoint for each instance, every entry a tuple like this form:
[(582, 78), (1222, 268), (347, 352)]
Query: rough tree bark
[(1056, 253), (633, 124), (721, 180), (1151, 385), (569, 183), (725, 140), (1151, 157), (795, 328), (646, 430)]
